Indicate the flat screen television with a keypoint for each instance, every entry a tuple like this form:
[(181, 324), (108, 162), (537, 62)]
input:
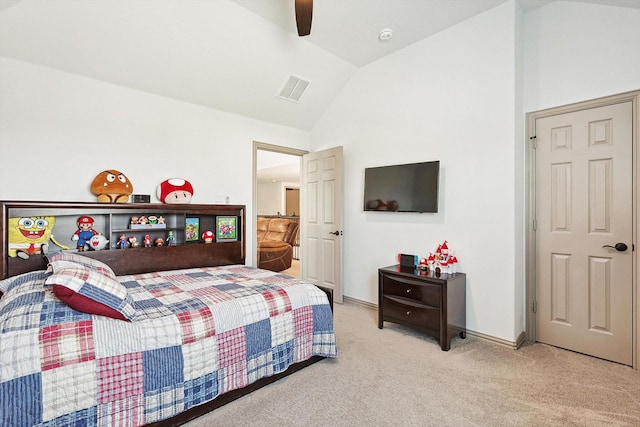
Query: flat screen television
[(411, 187)]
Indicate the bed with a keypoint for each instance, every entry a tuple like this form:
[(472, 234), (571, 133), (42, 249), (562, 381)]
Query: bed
[(103, 338)]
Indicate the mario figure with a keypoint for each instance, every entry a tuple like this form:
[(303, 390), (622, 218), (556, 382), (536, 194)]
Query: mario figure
[(122, 242), (84, 233)]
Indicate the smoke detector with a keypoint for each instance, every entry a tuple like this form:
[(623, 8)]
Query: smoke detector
[(385, 34)]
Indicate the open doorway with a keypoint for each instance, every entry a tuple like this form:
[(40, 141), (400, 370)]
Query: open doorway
[(277, 197)]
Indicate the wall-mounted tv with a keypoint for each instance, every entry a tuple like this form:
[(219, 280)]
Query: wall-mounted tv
[(411, 187)]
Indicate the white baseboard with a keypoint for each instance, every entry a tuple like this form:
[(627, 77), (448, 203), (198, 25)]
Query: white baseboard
[(511, 344)]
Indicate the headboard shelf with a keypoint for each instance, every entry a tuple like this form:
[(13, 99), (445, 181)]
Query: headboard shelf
[(113, 219)]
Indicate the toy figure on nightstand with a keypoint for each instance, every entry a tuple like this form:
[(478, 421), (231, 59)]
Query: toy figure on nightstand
[(453, 264), (443, 260), (122, 242), (84, 233), (431, 261), (171, 239), (147, 241), (159, 241)]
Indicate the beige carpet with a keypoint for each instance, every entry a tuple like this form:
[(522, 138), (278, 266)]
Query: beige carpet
[(294, 270), (394, 377)]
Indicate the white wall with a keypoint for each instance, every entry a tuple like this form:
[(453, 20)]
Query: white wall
[(270, 198), (59, 130), (451, 98), (576, 52)]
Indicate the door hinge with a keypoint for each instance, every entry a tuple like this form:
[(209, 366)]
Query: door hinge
[(535, 307), (535, 225)]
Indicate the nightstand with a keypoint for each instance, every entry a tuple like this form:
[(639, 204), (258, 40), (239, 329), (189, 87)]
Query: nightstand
[(434, 305)]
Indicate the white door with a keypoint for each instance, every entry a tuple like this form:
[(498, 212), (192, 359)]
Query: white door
[(583, 181), (321, 231)]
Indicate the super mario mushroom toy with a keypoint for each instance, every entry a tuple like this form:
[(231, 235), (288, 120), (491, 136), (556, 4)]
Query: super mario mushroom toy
[(175, 191)]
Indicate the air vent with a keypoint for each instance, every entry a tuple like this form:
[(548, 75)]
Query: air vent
[(293, 89)]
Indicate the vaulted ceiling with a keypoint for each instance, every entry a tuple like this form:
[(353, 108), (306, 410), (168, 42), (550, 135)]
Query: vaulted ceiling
[(232, 55)]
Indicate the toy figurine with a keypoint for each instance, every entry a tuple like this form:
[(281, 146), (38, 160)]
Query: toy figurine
[(431, 261), (160, 220), (453, 264), (84, 233), (175, 191), (112, 186), (171, 239), (133, 242), (443, 260), (147, 241), (159, 241), (122, 242), (153, 219), (207, 236), (134, 220), (98, 242)]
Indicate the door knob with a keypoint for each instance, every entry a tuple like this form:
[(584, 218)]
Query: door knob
[(620, 247), (335, 233)]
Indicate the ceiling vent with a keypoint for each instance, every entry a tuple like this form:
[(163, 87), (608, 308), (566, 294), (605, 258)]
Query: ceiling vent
[(293, 89)]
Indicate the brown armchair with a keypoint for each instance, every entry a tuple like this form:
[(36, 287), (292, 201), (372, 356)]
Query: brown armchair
[(276, 238)]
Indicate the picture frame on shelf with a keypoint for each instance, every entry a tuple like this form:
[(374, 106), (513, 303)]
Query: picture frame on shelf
[(192, 229), (226, 229)]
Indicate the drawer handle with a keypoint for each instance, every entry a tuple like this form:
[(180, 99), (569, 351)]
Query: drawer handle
[(408, 312), (408, 290)]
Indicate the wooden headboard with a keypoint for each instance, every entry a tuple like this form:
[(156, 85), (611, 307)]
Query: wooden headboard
[(115, 219)]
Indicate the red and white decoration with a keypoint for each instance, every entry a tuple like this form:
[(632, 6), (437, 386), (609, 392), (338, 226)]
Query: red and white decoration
[(443, 258)]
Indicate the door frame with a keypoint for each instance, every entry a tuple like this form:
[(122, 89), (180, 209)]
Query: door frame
[(263, 146), (530, 208)]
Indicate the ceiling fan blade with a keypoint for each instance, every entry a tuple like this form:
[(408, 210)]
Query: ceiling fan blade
[(304, 12)]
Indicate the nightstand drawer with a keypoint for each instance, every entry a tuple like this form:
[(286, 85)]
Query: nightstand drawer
[(425, 293), (424, 318)]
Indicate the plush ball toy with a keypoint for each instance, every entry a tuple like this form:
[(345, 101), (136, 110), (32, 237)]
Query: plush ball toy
[(97, 242), (175, 191), (112, 186)]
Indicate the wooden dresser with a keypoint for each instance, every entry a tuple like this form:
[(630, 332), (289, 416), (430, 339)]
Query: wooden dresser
[(435, 305)]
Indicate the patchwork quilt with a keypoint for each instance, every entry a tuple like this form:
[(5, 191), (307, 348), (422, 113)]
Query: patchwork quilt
[(195, 334)]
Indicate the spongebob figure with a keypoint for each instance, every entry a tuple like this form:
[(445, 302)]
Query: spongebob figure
[(30, 236)]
